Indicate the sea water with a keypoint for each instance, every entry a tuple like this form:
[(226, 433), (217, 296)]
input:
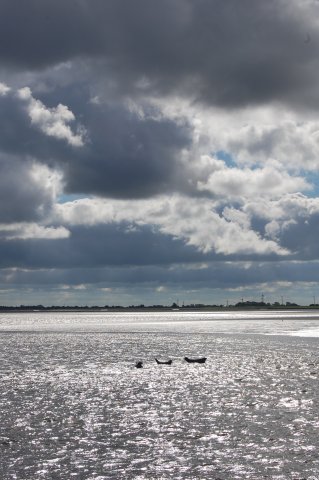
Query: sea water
[(73, 405)]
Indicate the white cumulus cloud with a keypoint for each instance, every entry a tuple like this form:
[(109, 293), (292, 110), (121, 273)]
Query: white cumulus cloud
[(192, 220), (54, 122), (26, 231), (4, 89), (246, 183)]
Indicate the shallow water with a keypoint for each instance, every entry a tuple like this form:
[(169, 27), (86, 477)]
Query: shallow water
[(74, 406), (296, 322)]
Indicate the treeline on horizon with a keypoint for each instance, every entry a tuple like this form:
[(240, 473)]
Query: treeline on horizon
[(174, 306)]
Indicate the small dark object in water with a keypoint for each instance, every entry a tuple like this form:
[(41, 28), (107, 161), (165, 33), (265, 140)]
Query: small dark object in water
[(139, 364), (195, 360), (159, 362)]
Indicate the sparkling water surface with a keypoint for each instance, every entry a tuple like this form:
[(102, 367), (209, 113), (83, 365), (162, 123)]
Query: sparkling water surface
[(73, 405)]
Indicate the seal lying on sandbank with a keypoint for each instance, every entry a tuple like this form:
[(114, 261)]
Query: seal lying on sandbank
[(195, 360), (167, 362)]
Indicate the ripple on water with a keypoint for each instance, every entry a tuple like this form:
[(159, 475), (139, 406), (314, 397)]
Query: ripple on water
[(74, 406)]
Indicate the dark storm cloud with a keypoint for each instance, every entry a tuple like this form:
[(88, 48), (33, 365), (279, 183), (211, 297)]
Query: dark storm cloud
[(20, 138), (124, 155), (218, 275), (97, 246), (225, 52), (119, 244), (22, 198), (301, 237)]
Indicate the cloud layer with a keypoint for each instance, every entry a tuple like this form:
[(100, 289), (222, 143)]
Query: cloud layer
[(158, 146), (231, 54)]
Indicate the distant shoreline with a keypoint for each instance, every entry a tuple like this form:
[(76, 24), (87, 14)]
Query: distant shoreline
[(204, 308)]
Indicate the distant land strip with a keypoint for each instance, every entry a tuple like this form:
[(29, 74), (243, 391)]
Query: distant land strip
[(248, 305)]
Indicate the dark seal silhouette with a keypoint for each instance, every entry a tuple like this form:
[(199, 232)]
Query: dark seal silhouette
[(139, 364), (160, 362), (195, 360)]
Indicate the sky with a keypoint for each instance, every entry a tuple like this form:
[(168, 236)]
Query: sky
[(154, 152)]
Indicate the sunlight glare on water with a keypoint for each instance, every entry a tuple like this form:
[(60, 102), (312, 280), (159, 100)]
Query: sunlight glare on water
[(74, 406)]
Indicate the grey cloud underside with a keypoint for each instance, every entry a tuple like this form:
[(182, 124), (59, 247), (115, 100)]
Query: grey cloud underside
[(102, 245), (227, 53), (21, 197), (124, 156), (97, 246), (217, 275), (119, 245), (19, 137), (302, 237)]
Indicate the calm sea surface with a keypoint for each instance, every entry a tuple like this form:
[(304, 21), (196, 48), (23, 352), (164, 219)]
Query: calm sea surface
[(73, 405)]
